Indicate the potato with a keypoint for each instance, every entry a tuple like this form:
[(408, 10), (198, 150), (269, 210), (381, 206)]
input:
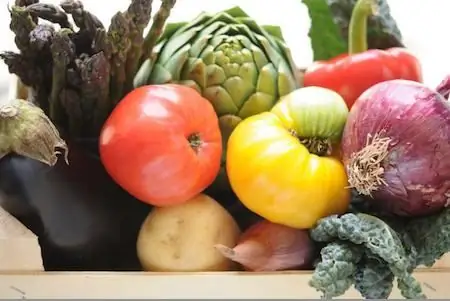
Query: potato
[(181, 238)]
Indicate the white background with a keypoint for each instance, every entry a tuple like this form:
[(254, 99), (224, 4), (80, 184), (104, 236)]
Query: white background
[(424, 25)]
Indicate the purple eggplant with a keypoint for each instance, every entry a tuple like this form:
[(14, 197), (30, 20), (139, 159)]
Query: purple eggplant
[(86, 221)]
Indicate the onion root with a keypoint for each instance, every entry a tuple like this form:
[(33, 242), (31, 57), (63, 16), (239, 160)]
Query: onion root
[(364, 169)]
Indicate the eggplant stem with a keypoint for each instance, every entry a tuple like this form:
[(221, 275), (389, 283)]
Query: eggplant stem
[(365, 167)]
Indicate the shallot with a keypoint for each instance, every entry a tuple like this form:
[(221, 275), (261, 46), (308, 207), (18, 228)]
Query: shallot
[(396, 147), (266, 246)]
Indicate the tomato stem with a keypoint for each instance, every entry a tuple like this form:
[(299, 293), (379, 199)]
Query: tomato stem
[(357, 31), (315, 145), (195, 141)]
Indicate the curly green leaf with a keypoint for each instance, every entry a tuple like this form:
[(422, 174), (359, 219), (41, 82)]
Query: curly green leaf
[(431, 237), (378, 238), (334, 274), (374, 279)]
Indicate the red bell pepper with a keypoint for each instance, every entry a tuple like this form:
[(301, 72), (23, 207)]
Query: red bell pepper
[(350, 74)]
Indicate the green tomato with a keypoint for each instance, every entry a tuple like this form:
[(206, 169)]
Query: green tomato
[(315, 115)]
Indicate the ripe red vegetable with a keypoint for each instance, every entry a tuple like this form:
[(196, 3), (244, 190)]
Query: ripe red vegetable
[(396, 147), (267, 246), (351, 74), (162, 144)]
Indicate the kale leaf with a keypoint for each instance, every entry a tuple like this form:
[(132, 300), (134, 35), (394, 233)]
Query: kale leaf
[(376, 241)]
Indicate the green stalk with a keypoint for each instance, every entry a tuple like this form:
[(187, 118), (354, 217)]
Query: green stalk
[(159, 20), (357, 31)]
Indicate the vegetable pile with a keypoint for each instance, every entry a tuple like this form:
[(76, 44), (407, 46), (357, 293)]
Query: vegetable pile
[(220, 159)]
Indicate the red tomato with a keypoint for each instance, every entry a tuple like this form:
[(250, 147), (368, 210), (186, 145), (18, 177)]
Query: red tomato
[(162, 144)]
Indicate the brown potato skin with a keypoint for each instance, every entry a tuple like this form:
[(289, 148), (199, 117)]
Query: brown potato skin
[(181, 238)]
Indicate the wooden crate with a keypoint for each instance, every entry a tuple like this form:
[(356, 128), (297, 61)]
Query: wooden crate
[(26, 281), (226, 285)]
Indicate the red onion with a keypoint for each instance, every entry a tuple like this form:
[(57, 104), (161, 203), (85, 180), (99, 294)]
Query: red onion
[(396, 147)]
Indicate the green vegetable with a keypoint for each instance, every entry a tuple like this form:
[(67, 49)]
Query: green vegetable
[(333, 275), (382, 248), (242, 68), (329, 27), (77, 76), (430, 236)]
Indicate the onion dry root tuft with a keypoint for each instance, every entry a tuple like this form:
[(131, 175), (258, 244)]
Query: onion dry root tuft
[(364, 169)]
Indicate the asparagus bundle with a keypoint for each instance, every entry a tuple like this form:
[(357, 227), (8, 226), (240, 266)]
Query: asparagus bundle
[(78, 71)]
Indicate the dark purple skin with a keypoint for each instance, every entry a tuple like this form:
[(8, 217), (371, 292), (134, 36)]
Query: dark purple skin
[(83, 219), (417, 168)]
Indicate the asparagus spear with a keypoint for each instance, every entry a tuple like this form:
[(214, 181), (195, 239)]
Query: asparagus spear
[(94, 71), (26, 3), (50, 13), (21, 25), (71, 103), (41, 37), (118, 46), (63, 52), (139, 13), (23, 67), (159, 20), (85, 20), (78, 76)]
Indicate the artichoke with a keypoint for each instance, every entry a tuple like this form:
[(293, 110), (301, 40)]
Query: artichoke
[(242, 68)]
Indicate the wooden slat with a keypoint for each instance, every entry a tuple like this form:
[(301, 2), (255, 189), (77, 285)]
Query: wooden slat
[(231, 285), (19, 247)]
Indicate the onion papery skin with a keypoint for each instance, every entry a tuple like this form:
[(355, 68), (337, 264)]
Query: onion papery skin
[(417, 166)]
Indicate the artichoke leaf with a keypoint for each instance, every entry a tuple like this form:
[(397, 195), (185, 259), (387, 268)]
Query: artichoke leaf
[(176, 43), (286, 83), (176, 63), (208, 56), (194, 69), (143, 74), (236, 12), (215, 75), (231, 69), (170, 30), (274, 31), (249, 73), (191, 84), (199, 45), (257, 103), (212, 30), (267, 81), (287, 56), (259, 56), (239, 90), (221, 100), (160, 75)]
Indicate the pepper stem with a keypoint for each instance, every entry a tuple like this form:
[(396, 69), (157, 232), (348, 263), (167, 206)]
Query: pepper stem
[(357, 30)]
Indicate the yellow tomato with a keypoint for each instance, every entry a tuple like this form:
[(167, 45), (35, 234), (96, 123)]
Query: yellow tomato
[(277, 163)]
